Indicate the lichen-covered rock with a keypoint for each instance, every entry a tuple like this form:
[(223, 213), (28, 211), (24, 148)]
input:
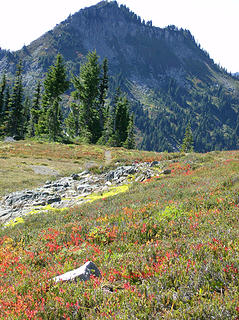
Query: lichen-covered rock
[(73, 190)]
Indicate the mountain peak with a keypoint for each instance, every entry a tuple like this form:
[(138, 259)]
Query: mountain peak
[(111, 11), (167, 76), (135, 48)]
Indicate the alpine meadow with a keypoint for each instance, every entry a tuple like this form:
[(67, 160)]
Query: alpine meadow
[(119, 174)]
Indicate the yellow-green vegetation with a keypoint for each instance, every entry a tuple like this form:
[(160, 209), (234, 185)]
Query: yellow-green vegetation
[(49, 209), (167, 249), (112, 192), (43, 209)]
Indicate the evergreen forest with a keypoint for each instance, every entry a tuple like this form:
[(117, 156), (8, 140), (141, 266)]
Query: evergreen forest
[(93, 117)]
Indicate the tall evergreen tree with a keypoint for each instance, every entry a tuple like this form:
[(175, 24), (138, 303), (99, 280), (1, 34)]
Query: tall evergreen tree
[(55, 84), (35, 111), (15, 118), (119, 125), (5, 114), (72, 121), (2, 93), (54, 117), (3, 86), (2, 106), (187, 145), (103, 88), (87, 93), (108, 131), (121, 120), (130, 141), (6, 98), (26, 113)]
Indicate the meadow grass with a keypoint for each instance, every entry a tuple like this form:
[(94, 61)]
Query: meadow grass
[(167, 249), (18, 158)]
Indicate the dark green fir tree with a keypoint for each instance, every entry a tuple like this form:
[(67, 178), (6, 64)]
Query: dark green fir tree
[(2, 93), (108, 131), (86, 95), (130, 141), (187, 145), (26, 113), (2, 102), (54, 117), (55, 84), (15, 120), (121, 120), (103, 89), (5, 114), (72, 121), (35, 111)]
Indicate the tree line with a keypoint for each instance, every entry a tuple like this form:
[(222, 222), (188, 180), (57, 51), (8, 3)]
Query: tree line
[(93, 116)]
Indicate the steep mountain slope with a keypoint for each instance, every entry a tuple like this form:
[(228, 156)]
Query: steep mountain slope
[(170, 80)]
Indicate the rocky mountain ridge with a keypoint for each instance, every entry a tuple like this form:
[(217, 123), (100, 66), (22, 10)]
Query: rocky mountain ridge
[(118, 34)]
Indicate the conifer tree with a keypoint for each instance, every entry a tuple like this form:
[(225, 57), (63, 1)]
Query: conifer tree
[(55, 84), (54, 117), (2, 93), (6, 98), (130, 141), (121, 120), (35, 111), (26, 113), (2, 104), (87, 93), (119, 125), (187, 145), (108, 131), (15, 117), (72, 121), (5, 114), (103, 88)]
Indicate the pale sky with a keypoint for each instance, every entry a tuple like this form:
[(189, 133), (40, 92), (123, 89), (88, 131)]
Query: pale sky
[(213, 23)]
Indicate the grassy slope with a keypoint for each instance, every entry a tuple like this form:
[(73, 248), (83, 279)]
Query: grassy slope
[(167, 250), (16, 159)]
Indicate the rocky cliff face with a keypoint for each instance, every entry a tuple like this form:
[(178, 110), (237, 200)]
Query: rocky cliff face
[(169, 79)]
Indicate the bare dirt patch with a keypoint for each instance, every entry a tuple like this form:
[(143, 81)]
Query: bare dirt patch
[(45, 171)]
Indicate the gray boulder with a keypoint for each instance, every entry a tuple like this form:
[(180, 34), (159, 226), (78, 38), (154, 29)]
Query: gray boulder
[(167, 171), (154, 163), (120, 172), (83, 273), (9, 139), (53, 199), (5, 213), (83, 188), (75, 176)]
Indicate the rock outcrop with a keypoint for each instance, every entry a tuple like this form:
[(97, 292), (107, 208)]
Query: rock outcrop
[(74, 190), (82, 273)]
